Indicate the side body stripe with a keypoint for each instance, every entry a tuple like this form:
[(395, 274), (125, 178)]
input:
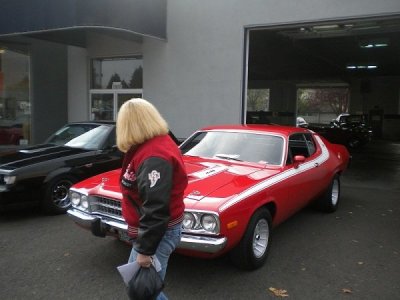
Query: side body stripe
[(319, 160)]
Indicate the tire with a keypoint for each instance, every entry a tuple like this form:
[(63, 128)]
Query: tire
[(252, 251), (55, 198), (354, 143), (329, 201)]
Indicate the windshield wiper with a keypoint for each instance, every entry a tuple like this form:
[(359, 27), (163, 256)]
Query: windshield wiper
[(229, 156)]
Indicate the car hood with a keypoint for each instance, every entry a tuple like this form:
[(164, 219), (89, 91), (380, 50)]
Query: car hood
[(15, 159), (211, 182)]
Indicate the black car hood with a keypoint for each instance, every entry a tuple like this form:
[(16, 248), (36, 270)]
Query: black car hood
[(37, 154)]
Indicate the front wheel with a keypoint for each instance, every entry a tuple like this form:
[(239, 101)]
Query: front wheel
[(251, 252), (56, 199)]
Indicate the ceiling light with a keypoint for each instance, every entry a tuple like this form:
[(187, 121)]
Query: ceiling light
[(326, 27), (361, 66), (376, 43)]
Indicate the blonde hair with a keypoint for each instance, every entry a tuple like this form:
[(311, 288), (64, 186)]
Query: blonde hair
[(138, 121)]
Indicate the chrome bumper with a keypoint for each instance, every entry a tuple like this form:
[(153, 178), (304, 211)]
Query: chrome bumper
[(102, 226)]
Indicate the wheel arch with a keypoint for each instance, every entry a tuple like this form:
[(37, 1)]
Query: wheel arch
[(59, 172)]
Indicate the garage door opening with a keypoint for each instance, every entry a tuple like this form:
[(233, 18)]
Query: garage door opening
[(360, 55)]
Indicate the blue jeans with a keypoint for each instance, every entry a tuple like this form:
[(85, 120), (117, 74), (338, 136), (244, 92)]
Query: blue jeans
[(167, 245)]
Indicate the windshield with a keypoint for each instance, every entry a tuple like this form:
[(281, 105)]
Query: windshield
[(91, 140), (86, 136), (239, 146)]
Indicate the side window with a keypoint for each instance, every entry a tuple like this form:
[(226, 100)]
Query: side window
[(310, 143), (298, 145)]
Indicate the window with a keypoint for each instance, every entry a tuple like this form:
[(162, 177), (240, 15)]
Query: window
[(257, 111), (298, 145), (310, 144), (15, 105), (322, 104), (114, 81)]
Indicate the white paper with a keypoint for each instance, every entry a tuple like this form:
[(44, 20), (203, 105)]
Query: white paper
[(156, 263), (128, 270)]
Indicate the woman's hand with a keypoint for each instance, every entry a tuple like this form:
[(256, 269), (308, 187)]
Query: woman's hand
[(144, 260)]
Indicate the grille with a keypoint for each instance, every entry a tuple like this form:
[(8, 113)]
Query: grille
[(105, 206)]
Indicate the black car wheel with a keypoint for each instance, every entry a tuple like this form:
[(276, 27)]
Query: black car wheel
[(56, 199), (354, 143), (329, 201), (252, 251)]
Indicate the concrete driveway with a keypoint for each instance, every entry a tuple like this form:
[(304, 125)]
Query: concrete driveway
[(351, 254)]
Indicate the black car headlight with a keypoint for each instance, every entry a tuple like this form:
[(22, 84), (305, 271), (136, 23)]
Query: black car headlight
[(201, 222), (9, 179)]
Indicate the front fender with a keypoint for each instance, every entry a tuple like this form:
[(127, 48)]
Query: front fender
[(61, 171), (236, 219)]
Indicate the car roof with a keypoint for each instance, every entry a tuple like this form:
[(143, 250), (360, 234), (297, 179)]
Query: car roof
[(271, 128), (92, 122)]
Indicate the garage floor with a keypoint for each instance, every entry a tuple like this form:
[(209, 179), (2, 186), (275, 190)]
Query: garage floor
[(376, 166), (370, 210)]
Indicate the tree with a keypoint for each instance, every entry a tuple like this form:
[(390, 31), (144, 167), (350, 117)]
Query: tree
[(136, 81), (257, 99), (335, 100), (114, 78)]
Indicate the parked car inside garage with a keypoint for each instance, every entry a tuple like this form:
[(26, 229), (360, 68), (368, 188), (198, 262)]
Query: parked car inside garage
[(347, 129)]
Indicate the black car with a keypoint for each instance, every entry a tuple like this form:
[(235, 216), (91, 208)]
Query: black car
[(42, 174), (349, 130)]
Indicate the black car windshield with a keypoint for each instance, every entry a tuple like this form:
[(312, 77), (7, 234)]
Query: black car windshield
[(86, 136), (91, 140), (238, 146)]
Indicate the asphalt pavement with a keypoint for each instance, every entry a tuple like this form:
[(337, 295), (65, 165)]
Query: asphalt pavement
[(353, 253)]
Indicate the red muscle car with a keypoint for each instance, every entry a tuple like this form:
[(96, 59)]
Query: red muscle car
[(243, 181)]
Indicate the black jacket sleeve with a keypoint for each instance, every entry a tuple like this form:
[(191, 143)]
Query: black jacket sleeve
[(154, 181)]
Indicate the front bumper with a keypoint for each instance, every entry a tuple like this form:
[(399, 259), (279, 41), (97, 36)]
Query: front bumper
[(102, 226)]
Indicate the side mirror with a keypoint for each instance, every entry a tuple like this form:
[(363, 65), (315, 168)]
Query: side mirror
[(298, 159)]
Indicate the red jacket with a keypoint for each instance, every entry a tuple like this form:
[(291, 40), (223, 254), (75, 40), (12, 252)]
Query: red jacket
[(153, 180)]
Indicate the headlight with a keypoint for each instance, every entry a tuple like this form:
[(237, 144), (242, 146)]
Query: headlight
[(9, 179), (75, 198), (79, 200), (189, 221), (201, 222), (84, 202), (209, 222)]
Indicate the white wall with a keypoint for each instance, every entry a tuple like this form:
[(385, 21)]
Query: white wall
[(78, 104), (101, 45)]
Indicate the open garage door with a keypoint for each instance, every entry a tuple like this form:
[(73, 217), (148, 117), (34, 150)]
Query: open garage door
[(360, 56)]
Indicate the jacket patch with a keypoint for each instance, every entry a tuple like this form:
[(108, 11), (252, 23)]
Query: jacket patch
[(153, 177), (128, 178)]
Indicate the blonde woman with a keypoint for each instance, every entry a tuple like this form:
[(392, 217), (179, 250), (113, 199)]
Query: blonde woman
[(153, 180)]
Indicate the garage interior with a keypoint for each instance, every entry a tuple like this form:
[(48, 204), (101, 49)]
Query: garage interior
[(362, 55)]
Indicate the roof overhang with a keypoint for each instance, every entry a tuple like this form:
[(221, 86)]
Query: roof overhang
[(68, 21)]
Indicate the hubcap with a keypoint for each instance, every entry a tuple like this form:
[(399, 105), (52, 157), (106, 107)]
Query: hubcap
[(260, 238), (60, 193), (335, 193)]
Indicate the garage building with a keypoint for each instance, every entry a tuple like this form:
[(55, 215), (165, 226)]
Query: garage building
[(199, 62)]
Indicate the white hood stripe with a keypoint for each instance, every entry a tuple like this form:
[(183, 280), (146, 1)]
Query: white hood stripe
[(280, 177)]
